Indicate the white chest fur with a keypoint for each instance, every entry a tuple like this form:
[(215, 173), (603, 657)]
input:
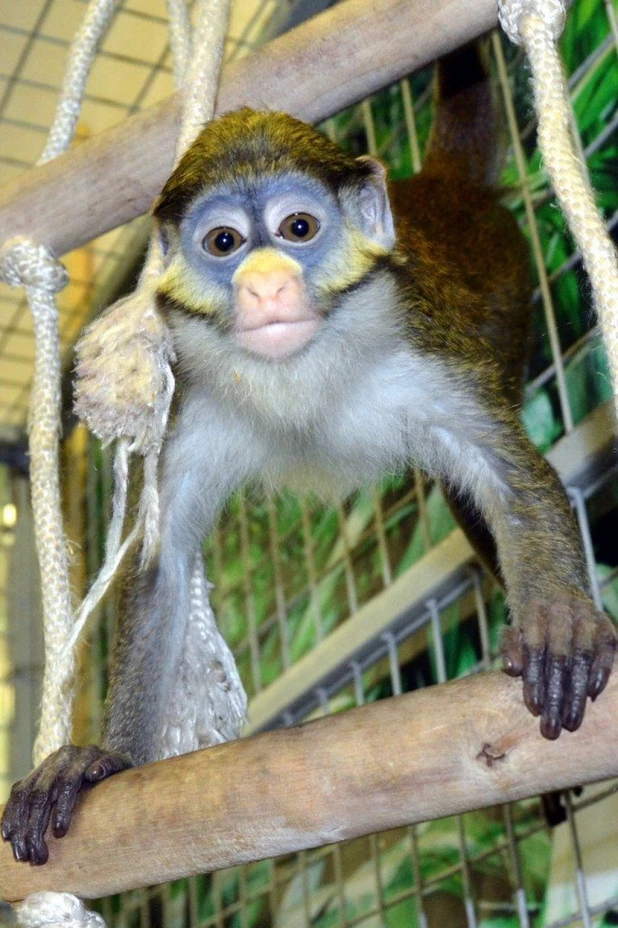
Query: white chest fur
[(360, 403)]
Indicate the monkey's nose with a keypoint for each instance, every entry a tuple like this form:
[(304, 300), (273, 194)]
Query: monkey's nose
[(265, 287)]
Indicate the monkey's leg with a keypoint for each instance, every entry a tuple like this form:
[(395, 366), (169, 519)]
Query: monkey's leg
[(148, 638), (201, 467), (559, 643), (476, 530)]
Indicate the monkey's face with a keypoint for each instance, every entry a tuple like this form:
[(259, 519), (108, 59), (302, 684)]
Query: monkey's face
[(254, 252), (264, 252)]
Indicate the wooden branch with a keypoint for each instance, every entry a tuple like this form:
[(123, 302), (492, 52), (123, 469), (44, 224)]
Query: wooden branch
[(436, 752), (332, 61)]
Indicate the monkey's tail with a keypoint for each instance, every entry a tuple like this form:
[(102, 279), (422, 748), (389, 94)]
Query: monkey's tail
[(467, 137)]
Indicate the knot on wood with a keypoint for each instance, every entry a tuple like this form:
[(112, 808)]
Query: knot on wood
[(490, 753)]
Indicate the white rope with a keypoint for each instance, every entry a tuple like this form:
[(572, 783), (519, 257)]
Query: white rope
[(537, 24), (180, 39), (134, 402), (24, 263), (55, 910), (511, 14), (209, 702), (77, 70), (34, 267), (209, 33)]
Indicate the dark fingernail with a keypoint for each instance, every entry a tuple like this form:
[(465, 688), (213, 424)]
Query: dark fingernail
[(19, 852), (550, 729), (508, 666), (598, 684), (573, 721), (39, 856), (533, 699)]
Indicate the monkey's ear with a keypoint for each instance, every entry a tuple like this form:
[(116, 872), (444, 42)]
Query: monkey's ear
[(370, 205), (164, 240)]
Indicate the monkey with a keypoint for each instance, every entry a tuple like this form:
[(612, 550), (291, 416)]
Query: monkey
[(322, 340)]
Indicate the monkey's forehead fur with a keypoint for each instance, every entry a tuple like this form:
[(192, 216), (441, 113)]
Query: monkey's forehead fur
[(252, 144)]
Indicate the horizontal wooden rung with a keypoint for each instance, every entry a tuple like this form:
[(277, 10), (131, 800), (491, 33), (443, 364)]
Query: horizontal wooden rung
[(439, 751)]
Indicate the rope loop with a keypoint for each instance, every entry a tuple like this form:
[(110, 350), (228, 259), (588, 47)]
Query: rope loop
[(511, 14), (56, 910), (26, 264)]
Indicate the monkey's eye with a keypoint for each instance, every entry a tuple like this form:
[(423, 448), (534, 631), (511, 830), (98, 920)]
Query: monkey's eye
[(222, 241), (299, 227)]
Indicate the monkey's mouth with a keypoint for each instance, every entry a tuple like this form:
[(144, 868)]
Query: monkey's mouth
[(278, 339)]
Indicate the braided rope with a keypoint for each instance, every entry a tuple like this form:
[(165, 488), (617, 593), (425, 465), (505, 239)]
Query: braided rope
[(205, 713), (133, 404), (180, 39), (537, 24), (512, 13), (208, 704), (202, 77), (77, 70), (22, 263), (56, 910)]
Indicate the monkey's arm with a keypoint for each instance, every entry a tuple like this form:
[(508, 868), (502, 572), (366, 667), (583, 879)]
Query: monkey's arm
[(560, 644), (201, 467)]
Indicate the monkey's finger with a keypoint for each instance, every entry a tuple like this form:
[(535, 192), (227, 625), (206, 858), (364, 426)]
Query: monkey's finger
[(68, 791), (41, 801), (534, 679), (15, 818), (70, 779), (106, 766), (575, 703), (557, 675), (11, 812), (581, 661), (86, 765), (41, 798), (510, 649), (603, 661)]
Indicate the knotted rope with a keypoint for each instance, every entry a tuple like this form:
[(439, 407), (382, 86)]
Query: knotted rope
[(131, 403), (56, 910), (22, 263)]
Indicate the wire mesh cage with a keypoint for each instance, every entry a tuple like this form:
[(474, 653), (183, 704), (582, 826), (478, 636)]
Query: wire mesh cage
[(392, 571)]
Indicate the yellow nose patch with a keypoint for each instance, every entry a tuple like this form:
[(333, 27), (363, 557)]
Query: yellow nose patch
[(266, 260)]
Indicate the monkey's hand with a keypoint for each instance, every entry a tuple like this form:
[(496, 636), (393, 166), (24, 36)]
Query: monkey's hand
[(53, 786), (564, 651)]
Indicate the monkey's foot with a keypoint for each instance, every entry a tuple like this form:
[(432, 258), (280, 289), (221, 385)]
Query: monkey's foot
[(564, 651), (53, 786)]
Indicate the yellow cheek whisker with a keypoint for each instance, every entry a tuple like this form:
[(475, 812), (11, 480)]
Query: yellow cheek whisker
[(181, 283), (354, 260)]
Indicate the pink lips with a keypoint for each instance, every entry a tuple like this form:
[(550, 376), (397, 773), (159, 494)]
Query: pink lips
[(278, 339)]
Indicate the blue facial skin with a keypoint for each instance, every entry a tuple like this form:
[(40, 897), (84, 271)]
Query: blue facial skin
[(248, 199)]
